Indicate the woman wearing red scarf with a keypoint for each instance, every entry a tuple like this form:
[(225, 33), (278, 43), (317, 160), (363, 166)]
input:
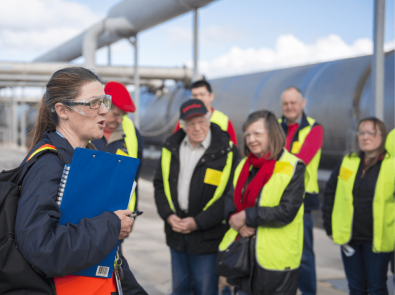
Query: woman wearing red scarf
[(267, 205)]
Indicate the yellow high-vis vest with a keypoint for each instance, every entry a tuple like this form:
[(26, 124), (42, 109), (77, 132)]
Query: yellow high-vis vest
[(132, 146), (220, 119), (311, 174), (224, 177), (383, 204), (390, 143), (277, 248)]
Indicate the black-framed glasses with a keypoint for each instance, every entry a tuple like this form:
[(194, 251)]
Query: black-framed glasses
[(94, 103)]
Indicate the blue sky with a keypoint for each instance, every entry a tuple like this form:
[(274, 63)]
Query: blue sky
[(235, 36)]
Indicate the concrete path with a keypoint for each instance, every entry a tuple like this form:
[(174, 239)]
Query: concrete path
[(11, 156)]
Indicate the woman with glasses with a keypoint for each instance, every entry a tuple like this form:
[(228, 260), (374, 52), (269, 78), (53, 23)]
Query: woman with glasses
[(358, 210), (266, 206), (71, 114)]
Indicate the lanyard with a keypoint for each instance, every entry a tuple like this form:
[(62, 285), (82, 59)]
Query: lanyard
[(60, 134)]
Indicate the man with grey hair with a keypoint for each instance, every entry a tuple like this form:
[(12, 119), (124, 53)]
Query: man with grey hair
[(195, 172), (304, 140)]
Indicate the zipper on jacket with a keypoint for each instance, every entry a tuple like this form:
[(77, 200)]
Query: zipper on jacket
[(374, 197)]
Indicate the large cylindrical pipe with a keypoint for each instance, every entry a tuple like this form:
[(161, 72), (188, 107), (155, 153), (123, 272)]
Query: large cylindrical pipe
[(29, 71), (142, 14), (338, 94), (117, 25)]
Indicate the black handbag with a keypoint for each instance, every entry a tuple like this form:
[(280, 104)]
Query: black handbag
[(234, 262)]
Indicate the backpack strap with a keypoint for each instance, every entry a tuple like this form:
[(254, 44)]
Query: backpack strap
[(46, 148), (41, 148)]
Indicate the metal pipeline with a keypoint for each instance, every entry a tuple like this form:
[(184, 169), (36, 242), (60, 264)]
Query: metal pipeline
[(140, 14), (119, 26), (338, 94), (41, 72)]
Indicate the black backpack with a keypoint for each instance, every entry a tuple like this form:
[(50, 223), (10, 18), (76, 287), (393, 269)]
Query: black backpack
[(17, 277)]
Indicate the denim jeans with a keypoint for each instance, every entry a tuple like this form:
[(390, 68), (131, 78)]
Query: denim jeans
[(366, 271), (307, 277), (193, 274)]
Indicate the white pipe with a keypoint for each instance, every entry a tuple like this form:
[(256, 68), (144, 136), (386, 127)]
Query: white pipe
[(14, 121), (144, 14), (154, 83), (25, 69), (89, 44), (195, 44), (136, 85), (378, 58), (119, 26), (27, 99), (23, 119), (109, 55)]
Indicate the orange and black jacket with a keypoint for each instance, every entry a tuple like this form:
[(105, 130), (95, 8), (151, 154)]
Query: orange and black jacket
[(56, 250)]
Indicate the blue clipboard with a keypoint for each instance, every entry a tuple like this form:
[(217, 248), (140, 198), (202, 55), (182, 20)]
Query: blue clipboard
[(97, 182)]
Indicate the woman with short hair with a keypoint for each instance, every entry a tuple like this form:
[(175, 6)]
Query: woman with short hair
[(358, 210), (70, 115), (267, 205)]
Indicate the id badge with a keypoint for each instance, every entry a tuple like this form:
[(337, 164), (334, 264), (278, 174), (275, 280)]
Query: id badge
[(213, 177)]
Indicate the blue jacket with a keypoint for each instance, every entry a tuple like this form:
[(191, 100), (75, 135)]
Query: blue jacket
[(57, 250)]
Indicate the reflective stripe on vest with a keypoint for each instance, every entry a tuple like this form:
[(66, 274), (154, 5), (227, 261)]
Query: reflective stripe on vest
[(165, 163), (41, 148), (224, 179), (311, 174), (277, 248), (390, 143), (383, 204), (220, 119), (132, 146)]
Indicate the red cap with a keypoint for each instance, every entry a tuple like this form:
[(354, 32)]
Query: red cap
[(121, 97)]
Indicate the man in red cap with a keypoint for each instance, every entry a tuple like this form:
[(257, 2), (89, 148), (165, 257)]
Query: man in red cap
[(120, 135)]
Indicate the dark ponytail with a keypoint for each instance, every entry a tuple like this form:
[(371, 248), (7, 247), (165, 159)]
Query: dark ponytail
[(64, 84)]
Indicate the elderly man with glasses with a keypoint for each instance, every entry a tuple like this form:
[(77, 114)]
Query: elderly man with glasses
[(304, 138), (194, 174), (202, 90)]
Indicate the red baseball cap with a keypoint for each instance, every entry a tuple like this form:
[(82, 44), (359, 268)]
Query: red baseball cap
[(121, 97)]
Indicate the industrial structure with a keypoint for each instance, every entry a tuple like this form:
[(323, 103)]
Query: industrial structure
[(338, 93)]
